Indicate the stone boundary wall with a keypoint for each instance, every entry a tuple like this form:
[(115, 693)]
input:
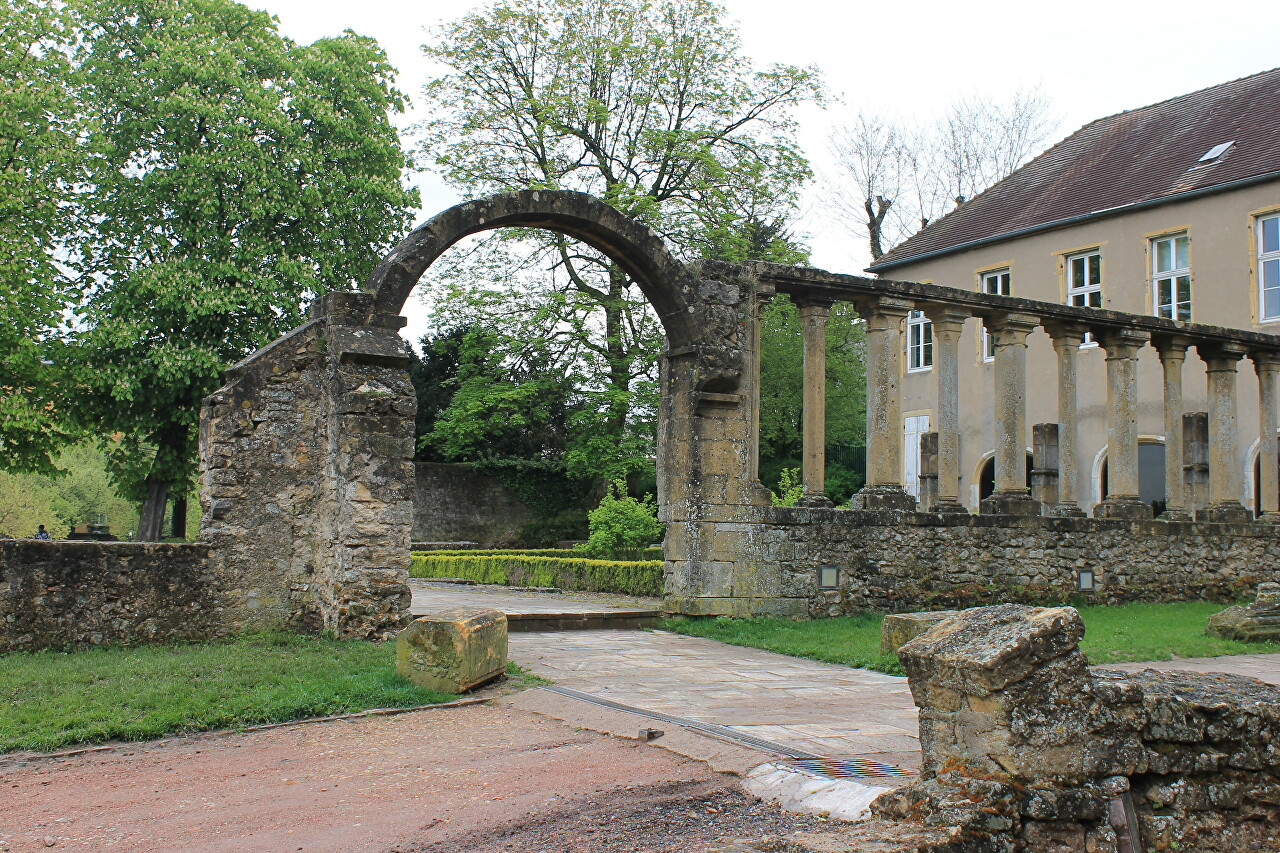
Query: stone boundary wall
[(1027, 749), (456, 502), (64, 594), (893, 560)]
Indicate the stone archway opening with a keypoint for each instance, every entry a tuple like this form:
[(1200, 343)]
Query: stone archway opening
[(306, 452)]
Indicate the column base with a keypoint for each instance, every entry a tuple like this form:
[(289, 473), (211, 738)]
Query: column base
[(1176, 514), (1122, 507), (818, 501), (1227, 512), (883, 497), (949, 506), (1011, 503), (1067, 510)]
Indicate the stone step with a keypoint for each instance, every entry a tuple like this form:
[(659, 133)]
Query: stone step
[(583, 621)]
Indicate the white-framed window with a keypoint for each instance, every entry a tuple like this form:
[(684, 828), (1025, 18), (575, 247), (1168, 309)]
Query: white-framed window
[(1171, 276), (997, 283), (1084, 283), (919, 342), (1269, 267)]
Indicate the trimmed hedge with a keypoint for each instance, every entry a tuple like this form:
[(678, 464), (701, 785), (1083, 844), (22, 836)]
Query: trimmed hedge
[(572, 553), (520, 569)]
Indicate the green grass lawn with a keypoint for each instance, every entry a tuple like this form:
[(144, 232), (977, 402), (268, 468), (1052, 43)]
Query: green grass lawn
[(1127, 632), (50, 700)]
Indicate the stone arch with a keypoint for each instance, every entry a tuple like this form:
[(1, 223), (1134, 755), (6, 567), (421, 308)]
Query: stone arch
[(665, 282), (306, 452)]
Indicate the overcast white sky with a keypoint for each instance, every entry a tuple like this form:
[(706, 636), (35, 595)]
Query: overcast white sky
[(1092, 57)]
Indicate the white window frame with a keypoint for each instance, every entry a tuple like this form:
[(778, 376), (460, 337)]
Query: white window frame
[(996, 283), (1176, 308), (1084, 296), (919, 343), (1266, 259)]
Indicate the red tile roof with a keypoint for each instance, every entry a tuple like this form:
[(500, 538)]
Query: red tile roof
[(1140, 157)]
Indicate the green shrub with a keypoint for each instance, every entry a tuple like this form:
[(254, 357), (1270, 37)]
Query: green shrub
[(622, 528), (790, 488), (642, 577)]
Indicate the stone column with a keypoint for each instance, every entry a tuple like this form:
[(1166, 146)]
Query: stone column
[(883, 489), (1195, 460), (1173, 351), (1224, 440), (1066, 343), (948, 323), (1123, 498), (813, 318), (928, 472), (1267, 365), (1044, 465), (1011, 497)]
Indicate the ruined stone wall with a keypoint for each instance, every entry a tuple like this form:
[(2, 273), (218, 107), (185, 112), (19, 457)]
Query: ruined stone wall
[(307, 478), (64, 594), (455, 502), (1026, 749), (891, 560)]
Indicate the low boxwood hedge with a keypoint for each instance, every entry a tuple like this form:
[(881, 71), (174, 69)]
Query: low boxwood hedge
[(521, 569)]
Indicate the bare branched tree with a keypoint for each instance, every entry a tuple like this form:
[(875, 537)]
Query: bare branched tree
[(895, 177)]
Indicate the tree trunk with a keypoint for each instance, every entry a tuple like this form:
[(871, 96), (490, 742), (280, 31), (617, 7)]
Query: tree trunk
[(179, 528), (619, 362), (151, 517)]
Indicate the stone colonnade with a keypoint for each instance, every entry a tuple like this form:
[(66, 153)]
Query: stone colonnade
[(1121, 337)]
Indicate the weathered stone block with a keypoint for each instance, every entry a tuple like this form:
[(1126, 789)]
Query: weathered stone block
[(901, 628), (453, 651), (1257, 623)]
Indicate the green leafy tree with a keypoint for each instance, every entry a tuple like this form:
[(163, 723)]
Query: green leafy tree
[(234, 176), (650, 106), (39, 163)]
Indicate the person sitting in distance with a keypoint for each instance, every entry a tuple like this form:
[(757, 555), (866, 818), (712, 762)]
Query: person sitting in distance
[(43, 534)]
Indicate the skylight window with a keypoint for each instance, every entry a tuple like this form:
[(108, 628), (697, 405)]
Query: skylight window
[(1215, 152)]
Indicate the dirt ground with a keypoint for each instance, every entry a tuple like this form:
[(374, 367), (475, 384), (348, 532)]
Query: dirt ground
[(473, 778)]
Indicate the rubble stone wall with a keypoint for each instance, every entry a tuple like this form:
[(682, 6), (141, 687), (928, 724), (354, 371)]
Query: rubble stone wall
[(65, 594), (457, 503), (895, 561), (1026, 748)]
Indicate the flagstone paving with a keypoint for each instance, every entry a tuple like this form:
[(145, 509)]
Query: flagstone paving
[(822, 708)]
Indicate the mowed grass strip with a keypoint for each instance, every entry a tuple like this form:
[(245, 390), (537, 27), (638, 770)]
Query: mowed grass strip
[(50, 700), (1125, 632)]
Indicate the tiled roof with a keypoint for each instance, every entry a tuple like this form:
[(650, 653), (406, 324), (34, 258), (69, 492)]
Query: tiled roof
[(1142, 156)]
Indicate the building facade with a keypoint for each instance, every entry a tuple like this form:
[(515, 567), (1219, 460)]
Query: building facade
[(1171, 210)]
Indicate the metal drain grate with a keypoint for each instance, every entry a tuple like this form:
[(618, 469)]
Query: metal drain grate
[(849, 768)]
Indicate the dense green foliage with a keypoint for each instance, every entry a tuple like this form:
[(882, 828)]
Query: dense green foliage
[(51, 699), (82, 494), (39, 163), (622, 528), (647, 104), (192, 179), (1127, 632), (643, 577), (782, 389)]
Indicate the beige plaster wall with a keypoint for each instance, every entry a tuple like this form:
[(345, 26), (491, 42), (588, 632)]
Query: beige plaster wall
[(1223, 261)]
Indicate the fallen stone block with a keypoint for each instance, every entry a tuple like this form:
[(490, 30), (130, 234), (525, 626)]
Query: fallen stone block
[(901, 628), (1257, 623), (453, 651)]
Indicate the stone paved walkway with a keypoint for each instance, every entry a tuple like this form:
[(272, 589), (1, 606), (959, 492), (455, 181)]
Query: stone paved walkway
[(817, 707)]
